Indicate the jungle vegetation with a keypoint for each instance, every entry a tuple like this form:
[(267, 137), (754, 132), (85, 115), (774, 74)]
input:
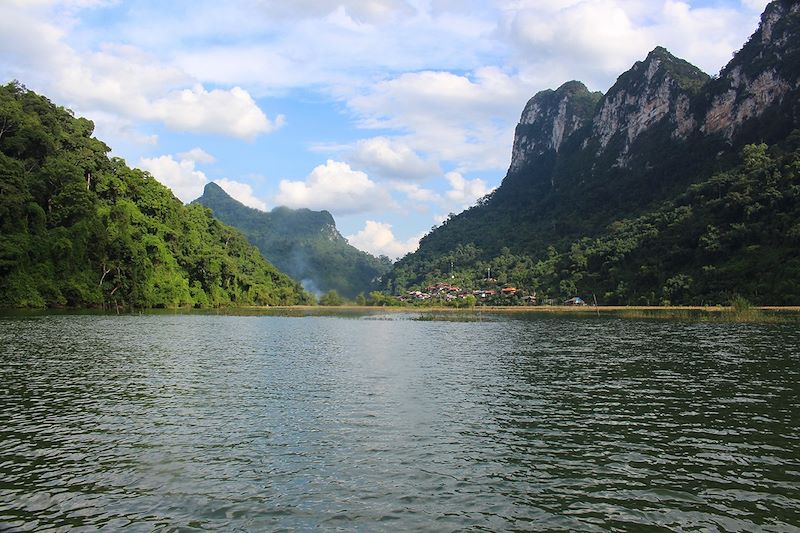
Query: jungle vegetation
[(78, 228)]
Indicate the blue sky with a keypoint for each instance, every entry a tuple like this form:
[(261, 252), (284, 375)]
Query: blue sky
[(388, 113)]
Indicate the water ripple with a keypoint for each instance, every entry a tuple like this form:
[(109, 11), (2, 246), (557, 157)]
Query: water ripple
[(197, 423)]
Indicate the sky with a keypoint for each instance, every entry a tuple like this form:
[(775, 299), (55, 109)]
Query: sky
[(390, 114)]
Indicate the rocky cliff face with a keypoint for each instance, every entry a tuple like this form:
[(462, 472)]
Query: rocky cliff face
[(668, 94), (549, 118), (658, 88), (746, 98), (763, 74)]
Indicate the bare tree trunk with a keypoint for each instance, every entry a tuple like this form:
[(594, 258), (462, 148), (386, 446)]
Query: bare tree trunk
[(104, 274)]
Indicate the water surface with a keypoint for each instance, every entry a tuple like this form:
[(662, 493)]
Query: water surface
[(381, 422)]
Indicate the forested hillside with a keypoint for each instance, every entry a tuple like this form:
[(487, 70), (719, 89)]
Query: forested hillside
[(737, 233), (78, 228), (673, 186), (303, 243)]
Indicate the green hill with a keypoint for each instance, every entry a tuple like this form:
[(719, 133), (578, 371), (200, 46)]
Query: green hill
[(662, 189), (303, 243), (78, 228)]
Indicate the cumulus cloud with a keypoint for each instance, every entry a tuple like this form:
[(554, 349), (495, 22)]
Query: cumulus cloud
[(241, 192), (416, 193), (465, 191), (756, 5), (468, 119), (121, 79), (561, 40), (335, 187), (198, 155), (372, 11), (228, 112), (185, 181), (378, 238), (337, 47), (121, 132), (572, 33), (392, 159)]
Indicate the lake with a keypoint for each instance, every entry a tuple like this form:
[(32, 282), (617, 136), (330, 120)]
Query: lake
[(372, 422)]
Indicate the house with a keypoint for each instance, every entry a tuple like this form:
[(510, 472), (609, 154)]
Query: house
[(575, 301), (485, 293)]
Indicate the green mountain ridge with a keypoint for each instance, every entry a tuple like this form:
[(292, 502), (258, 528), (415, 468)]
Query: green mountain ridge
[(585, 166), (303, 243), (78, 228)]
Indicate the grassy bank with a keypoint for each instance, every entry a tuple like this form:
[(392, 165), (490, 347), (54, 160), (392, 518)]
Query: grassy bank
[(742, 314), (716, 314)]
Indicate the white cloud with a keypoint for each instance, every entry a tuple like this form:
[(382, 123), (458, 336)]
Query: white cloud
[(119, 132), (377, 238), (562, 40), (228, 112), (198, 155), (464, 119), (756, 5), (372, 11), (185, 181), (120, 79), (336, 187), (416, 193), (392, 159), (464, 191), (241, 192), (572, 34)]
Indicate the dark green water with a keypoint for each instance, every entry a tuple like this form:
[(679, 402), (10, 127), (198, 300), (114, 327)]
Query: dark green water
[(373, 423)]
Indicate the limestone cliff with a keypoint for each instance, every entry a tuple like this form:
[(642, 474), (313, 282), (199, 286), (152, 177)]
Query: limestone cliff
[(668, 101), (658, 88), (762, 75), (549, 118)]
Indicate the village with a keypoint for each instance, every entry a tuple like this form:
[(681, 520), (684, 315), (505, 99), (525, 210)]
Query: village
[(508, 295)]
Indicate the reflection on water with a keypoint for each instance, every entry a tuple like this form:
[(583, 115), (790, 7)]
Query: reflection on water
[(382, 422)]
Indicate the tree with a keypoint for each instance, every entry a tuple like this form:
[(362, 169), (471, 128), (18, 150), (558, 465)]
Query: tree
[(80, 229), (330, 298)]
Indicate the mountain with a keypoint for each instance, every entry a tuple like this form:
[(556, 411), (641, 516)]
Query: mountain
[(78, 228), (303, 243), (586, 166)]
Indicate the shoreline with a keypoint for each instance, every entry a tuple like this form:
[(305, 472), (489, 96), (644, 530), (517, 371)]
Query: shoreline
[(530, 309), (711, 314), (442, 308)]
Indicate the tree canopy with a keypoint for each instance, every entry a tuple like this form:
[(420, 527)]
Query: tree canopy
[(78, 228), (736, 233)]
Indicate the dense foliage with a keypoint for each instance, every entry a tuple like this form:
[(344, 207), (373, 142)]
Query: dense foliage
[(737, 233), (303, 243), (640, 211), (78, 228)]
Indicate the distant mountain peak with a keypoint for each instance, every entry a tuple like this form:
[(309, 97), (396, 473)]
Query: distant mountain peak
[(303, 243)]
